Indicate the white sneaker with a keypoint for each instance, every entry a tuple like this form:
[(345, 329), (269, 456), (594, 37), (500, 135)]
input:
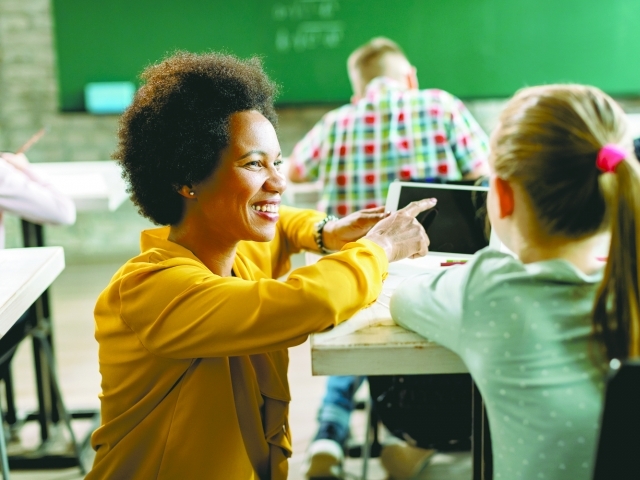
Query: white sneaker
[(323, 459), (405, 462)]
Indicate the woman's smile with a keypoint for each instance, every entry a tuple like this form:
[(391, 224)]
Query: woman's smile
[(267, 210)]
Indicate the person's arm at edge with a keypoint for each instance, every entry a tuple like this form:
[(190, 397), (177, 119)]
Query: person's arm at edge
[(25, 194)]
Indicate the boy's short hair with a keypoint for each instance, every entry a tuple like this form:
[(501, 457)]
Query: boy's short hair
[(375, 58)]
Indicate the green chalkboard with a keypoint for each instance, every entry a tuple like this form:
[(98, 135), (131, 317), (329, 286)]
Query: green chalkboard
[(472, 48)]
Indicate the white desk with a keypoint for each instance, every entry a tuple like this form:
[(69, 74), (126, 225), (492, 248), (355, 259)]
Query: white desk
[(370, 343), (93, 186), (25, 273)]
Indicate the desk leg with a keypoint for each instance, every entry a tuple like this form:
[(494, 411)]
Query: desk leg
[(480, 438), (4, 460), (11, 417), (33, 236), (50, 405)]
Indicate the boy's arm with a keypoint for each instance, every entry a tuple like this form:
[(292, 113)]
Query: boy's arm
[(469, 143), (304, 162)]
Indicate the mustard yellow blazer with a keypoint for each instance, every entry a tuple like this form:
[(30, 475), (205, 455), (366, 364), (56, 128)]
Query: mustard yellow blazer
[(194, 366)]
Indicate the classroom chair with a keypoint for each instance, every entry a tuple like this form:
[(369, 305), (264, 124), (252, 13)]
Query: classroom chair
[(619, 440)]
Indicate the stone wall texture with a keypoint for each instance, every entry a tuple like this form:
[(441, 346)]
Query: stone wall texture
[(29, 101)]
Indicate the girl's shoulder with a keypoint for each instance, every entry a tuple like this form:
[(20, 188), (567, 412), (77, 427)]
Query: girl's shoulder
[(489, 261), (490, 268)]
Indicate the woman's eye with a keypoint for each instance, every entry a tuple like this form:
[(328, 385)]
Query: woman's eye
[(278, 163), (255, 163)]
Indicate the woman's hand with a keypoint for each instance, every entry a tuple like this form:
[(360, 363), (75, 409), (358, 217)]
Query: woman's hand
[(400, 234), (350, 228)]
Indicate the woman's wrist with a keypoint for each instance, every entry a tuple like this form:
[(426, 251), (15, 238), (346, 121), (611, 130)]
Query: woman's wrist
[(323, 234)]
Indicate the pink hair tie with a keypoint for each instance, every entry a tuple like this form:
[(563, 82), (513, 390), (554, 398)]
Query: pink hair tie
[(609, 157)]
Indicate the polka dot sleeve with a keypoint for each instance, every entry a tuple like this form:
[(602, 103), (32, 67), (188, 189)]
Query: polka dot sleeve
[(431, 305)]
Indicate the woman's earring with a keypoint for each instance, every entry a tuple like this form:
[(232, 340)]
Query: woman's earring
[(191, 193)]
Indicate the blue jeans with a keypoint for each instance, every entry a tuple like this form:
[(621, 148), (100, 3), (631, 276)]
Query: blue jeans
[(338, 403)]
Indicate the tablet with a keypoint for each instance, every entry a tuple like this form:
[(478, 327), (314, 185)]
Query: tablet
[(457, 224)]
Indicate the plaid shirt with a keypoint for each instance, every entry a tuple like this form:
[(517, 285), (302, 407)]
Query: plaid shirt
[(391, 133)]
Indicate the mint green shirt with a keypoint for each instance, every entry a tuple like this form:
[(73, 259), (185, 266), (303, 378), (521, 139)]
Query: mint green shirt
[(523, 332)]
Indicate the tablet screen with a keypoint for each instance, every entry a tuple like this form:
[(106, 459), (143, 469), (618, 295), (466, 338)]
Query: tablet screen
[(458, 224)]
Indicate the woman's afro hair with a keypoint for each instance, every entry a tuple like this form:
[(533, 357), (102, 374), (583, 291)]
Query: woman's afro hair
[(174, 131)]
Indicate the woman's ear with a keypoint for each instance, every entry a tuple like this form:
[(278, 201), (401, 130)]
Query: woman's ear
[(504, 191), (186, 191)]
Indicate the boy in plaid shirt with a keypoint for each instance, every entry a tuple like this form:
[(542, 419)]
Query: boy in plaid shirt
[(391, 130)]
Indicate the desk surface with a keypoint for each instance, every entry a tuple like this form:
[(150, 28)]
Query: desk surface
[(370, 343), (24, 274), (93, 186)]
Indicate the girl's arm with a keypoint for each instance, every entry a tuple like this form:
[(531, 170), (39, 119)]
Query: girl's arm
[(432, 305)]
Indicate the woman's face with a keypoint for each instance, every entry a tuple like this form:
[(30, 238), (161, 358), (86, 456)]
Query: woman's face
[(240, 200)]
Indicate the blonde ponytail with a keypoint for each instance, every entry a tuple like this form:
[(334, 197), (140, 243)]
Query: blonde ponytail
[(616, 313)]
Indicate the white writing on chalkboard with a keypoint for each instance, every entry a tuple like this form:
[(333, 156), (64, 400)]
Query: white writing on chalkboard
[(307, 24)]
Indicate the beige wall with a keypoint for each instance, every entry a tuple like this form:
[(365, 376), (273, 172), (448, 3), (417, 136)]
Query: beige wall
[(28, 101)]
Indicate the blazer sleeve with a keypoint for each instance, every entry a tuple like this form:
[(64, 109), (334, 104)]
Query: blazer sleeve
[(180, 310)]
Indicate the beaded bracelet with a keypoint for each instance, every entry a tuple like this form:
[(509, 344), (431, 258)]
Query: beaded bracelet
[(319, 228)]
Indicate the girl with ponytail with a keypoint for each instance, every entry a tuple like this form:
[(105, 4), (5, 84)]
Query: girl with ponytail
[(537, 327)]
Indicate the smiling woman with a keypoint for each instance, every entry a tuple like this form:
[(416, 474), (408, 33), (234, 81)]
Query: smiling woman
[(194, 331)]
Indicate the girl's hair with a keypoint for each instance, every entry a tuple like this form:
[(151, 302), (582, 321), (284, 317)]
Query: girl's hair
[(548, 139)]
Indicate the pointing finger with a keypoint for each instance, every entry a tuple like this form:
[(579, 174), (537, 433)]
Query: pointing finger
[(414, 208)]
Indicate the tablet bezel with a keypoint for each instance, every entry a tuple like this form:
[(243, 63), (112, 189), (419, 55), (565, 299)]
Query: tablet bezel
[(391, 205)]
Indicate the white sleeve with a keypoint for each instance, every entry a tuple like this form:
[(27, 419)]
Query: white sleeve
[(26, 195), (431, 305)]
